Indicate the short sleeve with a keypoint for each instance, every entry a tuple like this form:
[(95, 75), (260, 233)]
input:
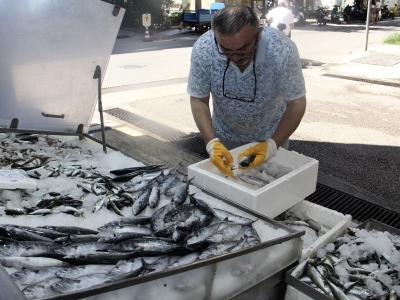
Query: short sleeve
[(291, 81), (199, 81)]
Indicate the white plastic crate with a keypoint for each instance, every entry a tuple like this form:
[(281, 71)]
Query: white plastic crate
[(324, 216), (328, 217), (270, 200)]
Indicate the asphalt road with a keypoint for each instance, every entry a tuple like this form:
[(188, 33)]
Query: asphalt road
[(351, 127)]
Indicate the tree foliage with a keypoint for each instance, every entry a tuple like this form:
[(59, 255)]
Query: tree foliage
[(135, 9)]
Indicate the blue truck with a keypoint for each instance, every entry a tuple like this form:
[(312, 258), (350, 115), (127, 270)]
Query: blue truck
[(200, 19)]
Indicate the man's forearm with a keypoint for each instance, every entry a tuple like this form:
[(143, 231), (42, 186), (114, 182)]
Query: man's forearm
[(290, 120), (202, 117)]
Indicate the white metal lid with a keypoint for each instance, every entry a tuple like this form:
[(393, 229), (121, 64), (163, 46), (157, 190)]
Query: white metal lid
[(48, 55)]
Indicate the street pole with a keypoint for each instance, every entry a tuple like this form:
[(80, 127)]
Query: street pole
[(367, 25)]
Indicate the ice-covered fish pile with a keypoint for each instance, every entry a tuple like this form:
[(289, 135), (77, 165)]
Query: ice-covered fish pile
[(49, 259), (359, 265), (263, 174), (312, 228), (70, 176)]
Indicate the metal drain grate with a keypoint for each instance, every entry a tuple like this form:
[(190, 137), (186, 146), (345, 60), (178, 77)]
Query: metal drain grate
[(192, 143), (373, 81), (142, 85), (359, 209), (123, 36)]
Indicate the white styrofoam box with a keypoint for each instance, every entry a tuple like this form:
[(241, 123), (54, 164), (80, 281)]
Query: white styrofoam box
[(324, 216), (270, 200)]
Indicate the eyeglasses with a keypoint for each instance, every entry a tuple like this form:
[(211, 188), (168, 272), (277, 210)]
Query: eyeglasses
[(231, 54), (234, 97)]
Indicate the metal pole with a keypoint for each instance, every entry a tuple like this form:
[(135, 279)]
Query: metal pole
[(367, 25)]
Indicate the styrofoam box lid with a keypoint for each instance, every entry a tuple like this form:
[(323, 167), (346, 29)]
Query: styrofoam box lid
[(49, 53), (12, 179)]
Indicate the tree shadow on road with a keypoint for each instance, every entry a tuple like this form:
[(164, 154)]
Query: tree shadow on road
[(372, 168)]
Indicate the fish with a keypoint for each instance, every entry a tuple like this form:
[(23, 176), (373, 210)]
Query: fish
[(127, 221), (184, 260), (316, 278), (70, 229), (20, 234), (70, 285), (199, 237), (207, 212), (251, 236), (104, 258), (246, 161), (33, 276), (79, 271), (217, 249), (226, 234), (230, 217), (257, 182), (138, 230), (81, 248), (141, 203), (128, 266), (99, 204), (41, 289), (27, 248), (115, 208), (300, 269), (19, 262), (157, 219), (87, 238), (154, 197), (134, 169), (157, 266), (181, 193)]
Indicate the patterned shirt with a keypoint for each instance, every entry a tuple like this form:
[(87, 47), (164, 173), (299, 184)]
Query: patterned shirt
[(279, 78)]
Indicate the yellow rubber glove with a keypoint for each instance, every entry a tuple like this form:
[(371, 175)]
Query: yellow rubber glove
[(220, 156), (262, 152)]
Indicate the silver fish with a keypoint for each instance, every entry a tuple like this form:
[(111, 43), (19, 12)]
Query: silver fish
[(79, 271), (32, 276), (70, 285), (316, 277), (184, 260), (141, 203), (99, 204), (127, 266), (199, 237), (300, 269), (217, 249), (41, 289), (31, 262), (226, 234), (81, 248), (154, 197), (224, 215), (257, 182)]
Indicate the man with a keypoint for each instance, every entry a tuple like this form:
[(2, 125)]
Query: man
[(280, 16), (254, 76)]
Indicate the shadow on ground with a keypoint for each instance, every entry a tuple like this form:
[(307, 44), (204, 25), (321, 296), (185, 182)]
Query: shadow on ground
[(373, 168)]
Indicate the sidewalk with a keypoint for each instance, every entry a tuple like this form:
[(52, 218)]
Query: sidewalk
[(379, 63)]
